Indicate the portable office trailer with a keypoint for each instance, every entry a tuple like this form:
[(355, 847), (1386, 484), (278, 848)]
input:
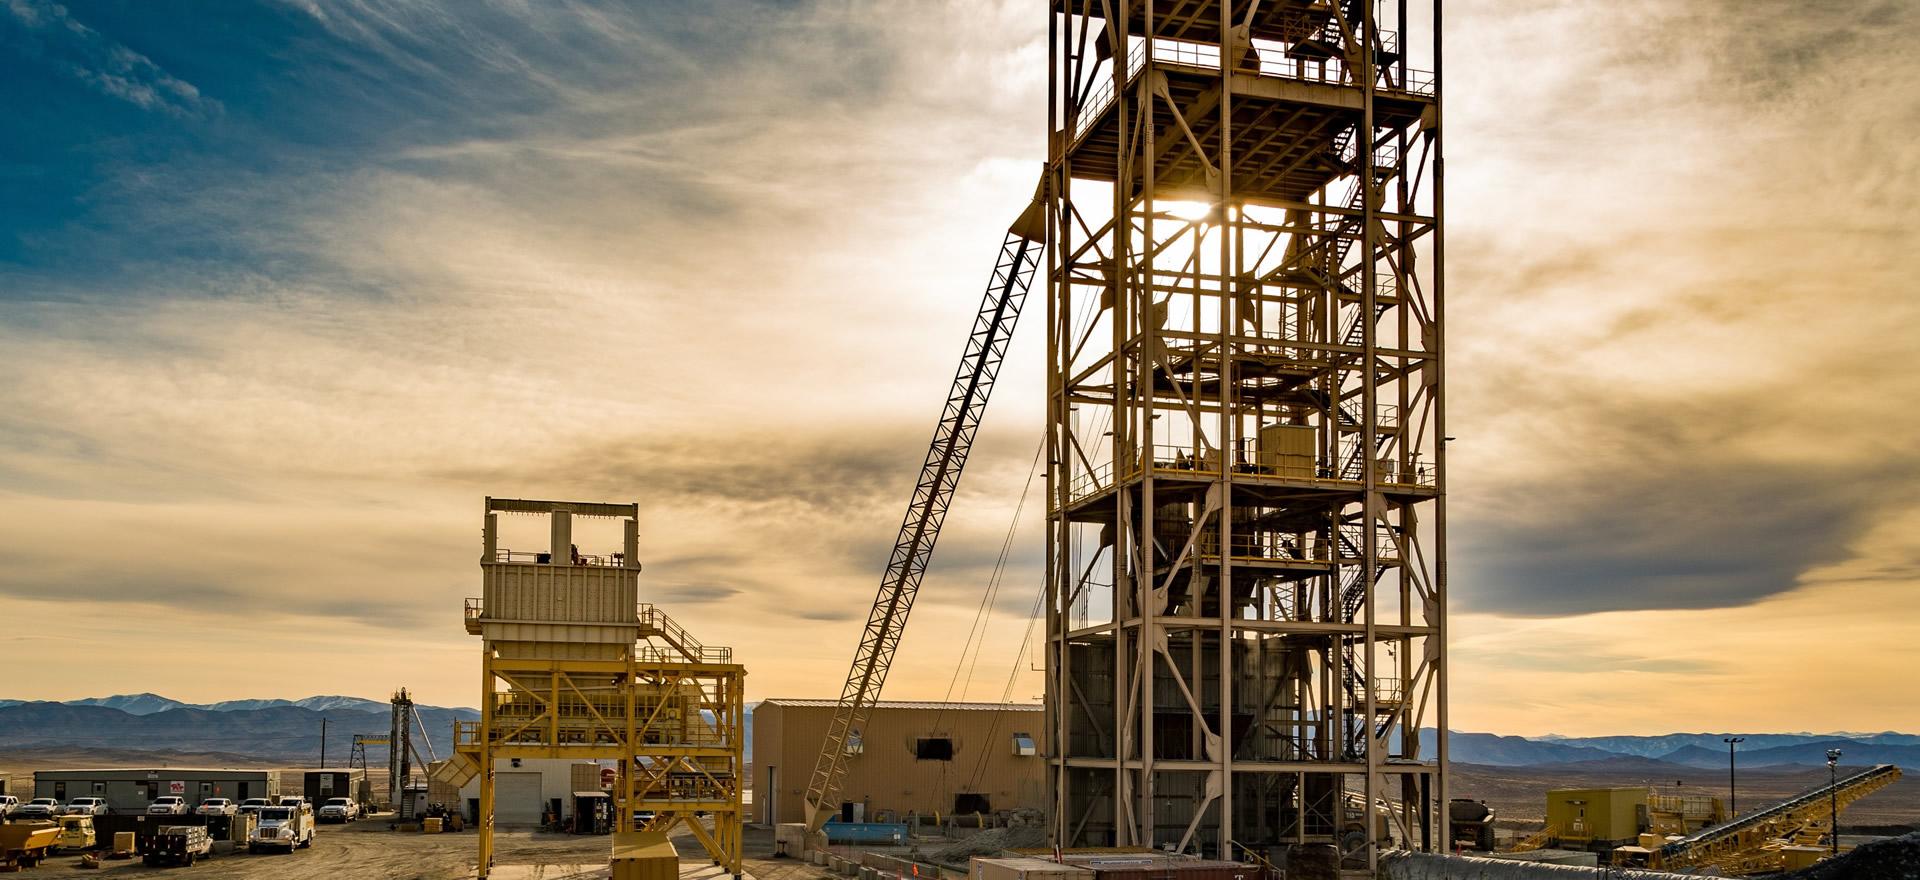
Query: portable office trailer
[(131, 790)]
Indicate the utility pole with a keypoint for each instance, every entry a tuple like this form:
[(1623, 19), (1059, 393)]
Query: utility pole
[(1733, 793), (323, 742), (1833, 797)]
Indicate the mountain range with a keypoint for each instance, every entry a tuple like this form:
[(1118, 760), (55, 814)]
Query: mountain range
[(148, 704), (289, 730), (1700, 750)]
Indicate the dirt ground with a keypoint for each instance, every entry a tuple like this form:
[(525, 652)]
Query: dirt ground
[(368, 850)]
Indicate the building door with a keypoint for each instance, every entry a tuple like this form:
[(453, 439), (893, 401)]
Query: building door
[(773, 787), (240, 791), (516, 799)]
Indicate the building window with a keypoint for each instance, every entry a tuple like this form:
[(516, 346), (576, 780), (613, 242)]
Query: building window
[(855, 745), (933, 748), (99, 788), (971, 803), (1023, 745)]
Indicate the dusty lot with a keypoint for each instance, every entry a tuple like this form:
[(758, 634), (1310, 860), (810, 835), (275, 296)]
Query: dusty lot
[(368, 850)]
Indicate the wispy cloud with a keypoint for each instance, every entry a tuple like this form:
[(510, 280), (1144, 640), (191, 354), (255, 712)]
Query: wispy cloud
[(1674, 314), (108, 66)]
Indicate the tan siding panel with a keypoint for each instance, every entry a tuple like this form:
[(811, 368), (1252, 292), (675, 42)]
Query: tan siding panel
[(887, 776)]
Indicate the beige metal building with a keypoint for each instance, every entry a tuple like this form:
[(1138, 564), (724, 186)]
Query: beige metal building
[(924, 758)]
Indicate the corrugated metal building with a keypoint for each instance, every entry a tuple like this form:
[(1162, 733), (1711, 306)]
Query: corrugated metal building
[(911, 757), (131, 790), (525, 788)]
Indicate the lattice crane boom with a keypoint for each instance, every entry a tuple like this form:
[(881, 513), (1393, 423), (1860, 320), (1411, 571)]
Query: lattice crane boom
[(953, 437)]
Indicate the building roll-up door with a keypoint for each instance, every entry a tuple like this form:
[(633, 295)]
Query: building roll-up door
[(516, 799)]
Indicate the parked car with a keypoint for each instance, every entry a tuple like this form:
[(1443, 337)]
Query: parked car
[(286, 828), (174, 844), (168, 806), (8, 804), (38, 808), (215, 807), (340, 810), (76, 832), (253, 805), (86, 806)]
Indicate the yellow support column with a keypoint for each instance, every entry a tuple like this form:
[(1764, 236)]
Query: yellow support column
[(485, 819)]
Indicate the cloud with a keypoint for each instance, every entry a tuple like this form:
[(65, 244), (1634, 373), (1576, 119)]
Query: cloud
[(109, 67), (615, 273), (1671, 317), (721, 264)]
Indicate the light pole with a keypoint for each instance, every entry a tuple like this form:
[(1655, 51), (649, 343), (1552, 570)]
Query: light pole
[(1733, 791), (1833, 797)]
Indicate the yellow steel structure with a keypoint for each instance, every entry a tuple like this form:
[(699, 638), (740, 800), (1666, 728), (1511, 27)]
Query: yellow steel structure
[(573, 666), (1762, 842), (1539, 839)]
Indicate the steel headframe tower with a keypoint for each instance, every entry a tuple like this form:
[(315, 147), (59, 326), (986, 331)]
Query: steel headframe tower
[(574, 666), (1246, 540), (400, 754)]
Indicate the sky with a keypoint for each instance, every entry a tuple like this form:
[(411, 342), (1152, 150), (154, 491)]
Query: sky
[(288, 286)]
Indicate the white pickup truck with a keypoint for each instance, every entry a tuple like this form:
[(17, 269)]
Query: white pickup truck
[(287, 828), (340, 810)]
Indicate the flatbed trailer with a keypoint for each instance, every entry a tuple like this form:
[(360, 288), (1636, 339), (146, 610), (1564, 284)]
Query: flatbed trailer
[(174, 845)]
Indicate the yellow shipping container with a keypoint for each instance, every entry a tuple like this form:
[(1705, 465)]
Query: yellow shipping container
[(1608, 815), (644, 855)]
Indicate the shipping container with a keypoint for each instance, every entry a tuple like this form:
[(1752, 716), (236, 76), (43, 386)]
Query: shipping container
[(319, 785), (585, 776), (865, 832), (1024, 869), (1603, 816), (644, 855), (1175, 869)]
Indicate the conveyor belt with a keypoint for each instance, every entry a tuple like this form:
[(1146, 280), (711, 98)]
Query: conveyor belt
[(1872, 778)]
